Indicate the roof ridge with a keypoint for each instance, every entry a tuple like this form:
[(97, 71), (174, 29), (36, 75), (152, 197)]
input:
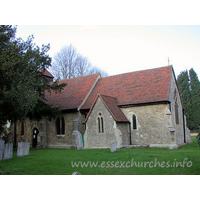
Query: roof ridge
[(107, 96), (90, 91), (78, 77), (138, 71)]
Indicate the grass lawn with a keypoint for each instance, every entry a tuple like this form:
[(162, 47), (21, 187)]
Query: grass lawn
[(124, 161)]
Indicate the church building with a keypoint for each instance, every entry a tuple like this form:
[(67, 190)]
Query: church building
[(137, 108)]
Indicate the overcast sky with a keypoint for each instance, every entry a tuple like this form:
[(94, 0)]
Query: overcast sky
[(120, 49), (116, 36)]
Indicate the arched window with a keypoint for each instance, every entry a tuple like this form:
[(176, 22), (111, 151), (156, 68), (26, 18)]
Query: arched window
[(22, 128), (134, 122), (100, 123), (102, 128), (58, 126), (176, 112), (63, 125)]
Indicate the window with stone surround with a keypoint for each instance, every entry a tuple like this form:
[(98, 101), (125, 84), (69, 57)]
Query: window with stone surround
[(134, 122), (100, 123), (176, 107), (60, 126), (63, 125), (176, 112)]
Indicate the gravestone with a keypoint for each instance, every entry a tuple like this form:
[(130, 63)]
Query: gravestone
[(8, 151), (113, 146), (20, 149), (1, 149), (23, 148), (79, 140), (26, 148)]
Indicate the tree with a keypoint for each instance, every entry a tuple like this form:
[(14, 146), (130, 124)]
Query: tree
[(195, 98), (22, 86), (68, 63), (64, 63), (184, 88), (189, 87)]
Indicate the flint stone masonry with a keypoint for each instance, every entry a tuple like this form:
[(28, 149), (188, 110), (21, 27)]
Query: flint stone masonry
[(2, 143), (8, 151), (94, 139), (23, 149), (113, 146)]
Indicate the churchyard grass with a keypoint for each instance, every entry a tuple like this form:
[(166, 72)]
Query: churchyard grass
[(155, 161)]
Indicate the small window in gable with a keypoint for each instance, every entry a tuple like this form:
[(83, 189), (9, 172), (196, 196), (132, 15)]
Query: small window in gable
[(176, 112), (102, 128), (100, 123), (175, 94), (134, 122)]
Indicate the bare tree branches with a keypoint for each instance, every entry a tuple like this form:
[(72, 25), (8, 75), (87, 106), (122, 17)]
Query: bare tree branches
[(68, 63)]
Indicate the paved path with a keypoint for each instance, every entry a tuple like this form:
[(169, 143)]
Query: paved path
[(194, 134)]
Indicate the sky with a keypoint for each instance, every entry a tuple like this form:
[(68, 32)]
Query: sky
[(124, 48)]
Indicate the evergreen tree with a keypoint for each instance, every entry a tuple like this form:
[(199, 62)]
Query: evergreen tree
[(184, 89), (195, 98), (22, 86)]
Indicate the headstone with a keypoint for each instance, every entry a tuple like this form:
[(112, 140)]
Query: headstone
[(23, 148), (20, 149), (113, 146), (79, 141), (8, 151), (26, 148), (2, 143)]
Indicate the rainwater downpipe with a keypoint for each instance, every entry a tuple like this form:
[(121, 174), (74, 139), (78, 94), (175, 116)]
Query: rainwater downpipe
[(130, 132), (184, 127)]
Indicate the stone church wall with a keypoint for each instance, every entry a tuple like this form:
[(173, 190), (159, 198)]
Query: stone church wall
[(174, 97), (151, 125), (68, 139), (47, 137), (157, 124), (124, 129), (92, 137), (26, 134)]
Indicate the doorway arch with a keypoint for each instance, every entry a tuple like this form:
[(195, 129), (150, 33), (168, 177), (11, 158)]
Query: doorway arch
[(35, 135)]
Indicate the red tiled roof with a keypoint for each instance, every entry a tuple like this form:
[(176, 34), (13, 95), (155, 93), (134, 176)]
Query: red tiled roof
[(47, 73), (139, 87), (111, 105), (73, 94)]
